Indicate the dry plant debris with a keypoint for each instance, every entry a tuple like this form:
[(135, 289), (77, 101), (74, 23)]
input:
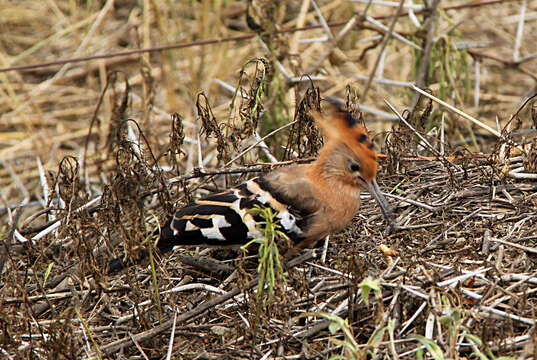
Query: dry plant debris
[(95, 153)]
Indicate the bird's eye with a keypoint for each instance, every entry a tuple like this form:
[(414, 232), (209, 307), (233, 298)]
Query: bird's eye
[(354, 167)]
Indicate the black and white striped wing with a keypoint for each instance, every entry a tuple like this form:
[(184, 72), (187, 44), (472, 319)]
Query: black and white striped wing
[(222, 219), (213, 220)]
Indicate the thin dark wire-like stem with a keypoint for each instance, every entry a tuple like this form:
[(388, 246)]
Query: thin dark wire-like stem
[(424, 66), (227, 39), (382, 47)]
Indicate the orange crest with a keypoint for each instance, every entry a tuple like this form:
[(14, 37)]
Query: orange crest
[(342, 127)]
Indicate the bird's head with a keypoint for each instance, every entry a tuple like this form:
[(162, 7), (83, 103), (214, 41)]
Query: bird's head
[(349, 155)]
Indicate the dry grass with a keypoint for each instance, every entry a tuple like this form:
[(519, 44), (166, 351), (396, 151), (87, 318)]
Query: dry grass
[(79, 182)]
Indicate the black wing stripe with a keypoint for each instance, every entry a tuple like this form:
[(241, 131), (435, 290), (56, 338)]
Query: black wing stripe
[(248, 203), (226, 198), (236, 235), (265, 196), (201, 223), (168, 240), (267, 187), (196, 210), (243, 191)]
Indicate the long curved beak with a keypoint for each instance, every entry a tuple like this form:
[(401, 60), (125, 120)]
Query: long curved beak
[(374, 190)]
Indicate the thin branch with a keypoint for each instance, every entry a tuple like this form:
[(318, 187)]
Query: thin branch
[(424, 66), (458, 112), (382, 47), (222, 40), (519, 32), (432, 244)]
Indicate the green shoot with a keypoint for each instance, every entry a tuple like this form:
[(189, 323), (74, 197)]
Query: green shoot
[(90, 334), (269, 256), (452, 320), (150, 240), (367, 285), (47, 273), (432, 347), (349, 343)]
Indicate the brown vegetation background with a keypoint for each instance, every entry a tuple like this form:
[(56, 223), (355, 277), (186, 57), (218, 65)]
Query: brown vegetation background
[(96, 152)]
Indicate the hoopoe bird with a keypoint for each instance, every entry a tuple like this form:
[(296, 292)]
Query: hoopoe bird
[(310, 201)]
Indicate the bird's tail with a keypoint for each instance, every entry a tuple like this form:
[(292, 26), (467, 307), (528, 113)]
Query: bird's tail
[(166, 240), (164, 244)]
